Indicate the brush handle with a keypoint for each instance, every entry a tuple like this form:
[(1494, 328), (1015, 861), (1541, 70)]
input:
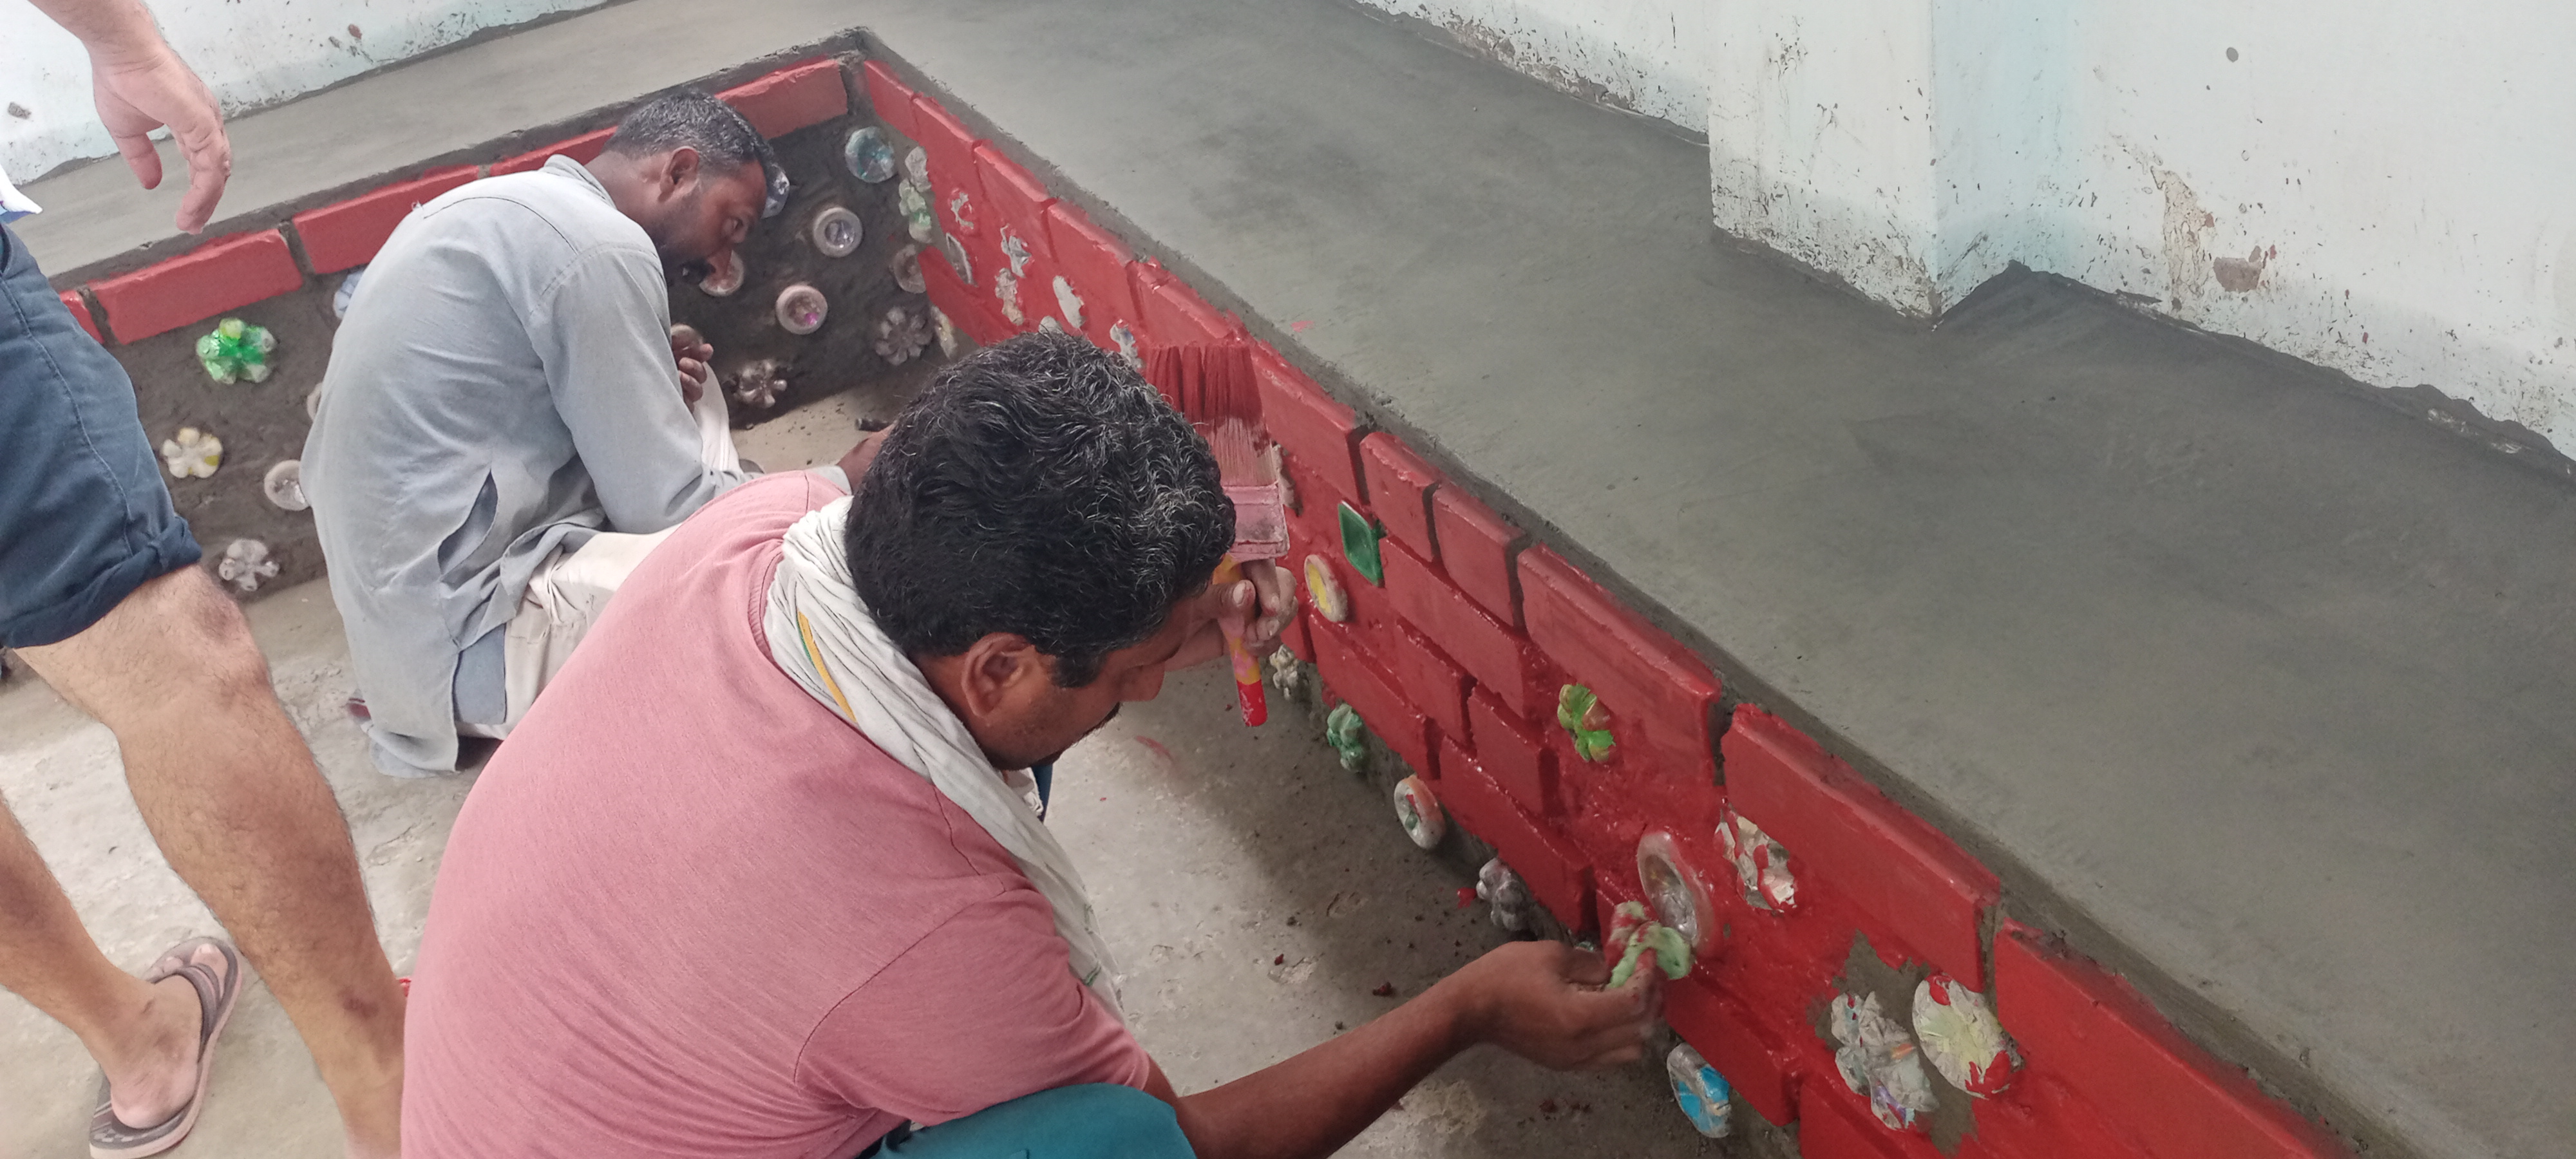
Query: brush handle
[(1248, 693)]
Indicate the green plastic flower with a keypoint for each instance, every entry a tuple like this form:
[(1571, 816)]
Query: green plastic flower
[(1348, 735), (1583, 716), (236, 351)]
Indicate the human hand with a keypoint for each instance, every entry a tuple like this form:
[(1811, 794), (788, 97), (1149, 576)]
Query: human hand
[(1543, 1001), (143, 88), (1258, 607), (692, 356)]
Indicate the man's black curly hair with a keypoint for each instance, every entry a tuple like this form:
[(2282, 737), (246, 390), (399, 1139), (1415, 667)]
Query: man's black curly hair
[(1037, 487)]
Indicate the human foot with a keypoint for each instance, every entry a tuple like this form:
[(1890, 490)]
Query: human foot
[(154, 1085)]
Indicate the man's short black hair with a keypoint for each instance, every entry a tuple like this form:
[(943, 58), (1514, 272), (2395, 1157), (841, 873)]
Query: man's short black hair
[(1038, 487), (724, 140)]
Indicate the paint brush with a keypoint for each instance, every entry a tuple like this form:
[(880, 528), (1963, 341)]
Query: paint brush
[(1213, 386)]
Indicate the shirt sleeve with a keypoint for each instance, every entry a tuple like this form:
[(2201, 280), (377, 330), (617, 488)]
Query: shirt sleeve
[(981, 1011), (604, 338)]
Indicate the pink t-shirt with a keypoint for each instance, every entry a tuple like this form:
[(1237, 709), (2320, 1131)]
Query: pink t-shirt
[(688, 911)]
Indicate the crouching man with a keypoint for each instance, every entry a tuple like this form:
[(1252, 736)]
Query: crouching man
[(757, 877)]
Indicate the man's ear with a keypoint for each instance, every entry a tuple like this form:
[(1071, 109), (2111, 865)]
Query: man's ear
[(995, 671), (680, 169)]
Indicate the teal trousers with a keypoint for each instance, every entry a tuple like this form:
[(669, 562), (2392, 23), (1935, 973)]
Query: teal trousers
[(1097, 1121)]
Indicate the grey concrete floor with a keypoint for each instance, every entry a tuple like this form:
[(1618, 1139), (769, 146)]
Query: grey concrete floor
[(1255, 892)]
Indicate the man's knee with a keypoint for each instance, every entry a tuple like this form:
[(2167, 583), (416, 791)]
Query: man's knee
[(175, 640)]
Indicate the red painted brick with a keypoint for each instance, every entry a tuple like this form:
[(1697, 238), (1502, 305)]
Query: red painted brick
[(1476, 548), (973, 313), (227, 275), (1174, 313), (1294, 635), (891, 98), (1554, 869), (585, 148), (1518, 759), (1834, 1123), (1499, 658), (1903, 874), (1093, 260), (791, 98), (1643, 675), (2077, 1023), (1307, 422), (1753, 1060), (2040, 1118), (1359, 680), (951, 149), (1399, 487), (1018, 197), (1429, 681), (337, 237), (80, 313)]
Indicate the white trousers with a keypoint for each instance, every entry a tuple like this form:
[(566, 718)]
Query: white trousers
[(571, 589)]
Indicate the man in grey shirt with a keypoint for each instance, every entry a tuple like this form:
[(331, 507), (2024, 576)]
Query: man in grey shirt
[(504, 392)]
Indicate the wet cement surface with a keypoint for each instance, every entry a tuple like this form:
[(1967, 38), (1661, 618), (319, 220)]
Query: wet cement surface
[(2257, 689), (1255, 893)]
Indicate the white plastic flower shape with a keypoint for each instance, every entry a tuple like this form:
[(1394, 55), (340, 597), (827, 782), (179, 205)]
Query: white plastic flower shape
[(758, 384), (1016, 249), (949, 340), (901, 336), (1067, 302), (1962, 1037), (1877, 1058), (1284, 670), (192, 453), (961, 213), (1006, 288), (1760, 863), (245, 564), (916, 213), (1497, 883), (916, 168)]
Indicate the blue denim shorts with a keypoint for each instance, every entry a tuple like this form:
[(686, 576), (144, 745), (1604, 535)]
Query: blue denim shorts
[(85, 517)]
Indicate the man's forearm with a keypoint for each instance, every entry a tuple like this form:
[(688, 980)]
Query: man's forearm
[(1313, 1103), (110, 28)]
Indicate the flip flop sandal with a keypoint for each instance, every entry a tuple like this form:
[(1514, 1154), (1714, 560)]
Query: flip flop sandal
[(111, 1139)]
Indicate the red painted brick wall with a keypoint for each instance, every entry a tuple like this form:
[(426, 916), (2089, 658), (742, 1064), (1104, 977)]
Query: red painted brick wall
[(337, 237), (226, 275)]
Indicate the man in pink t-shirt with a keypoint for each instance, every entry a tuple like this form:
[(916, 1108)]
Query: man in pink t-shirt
[(693, 907)]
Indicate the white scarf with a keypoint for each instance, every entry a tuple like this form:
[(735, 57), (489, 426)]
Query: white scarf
[(823, 636)]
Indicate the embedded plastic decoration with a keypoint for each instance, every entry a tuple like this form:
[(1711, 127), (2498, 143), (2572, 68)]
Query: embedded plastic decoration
[(950, 341), (906, 266), (1048, 325), (801, 309), (901, 336), (1348, 735), (192, 453), (836, 232), (1700, 1091), (961, 210), (1125, 337), (1580, 712), (868, 155), (915, 205), (957, 259), (1419, 811), (1016, 251), (236, 351), (1006, 290), (1632, 933), (1067, 302), (1286, 671), (284, 485), (348, 291), (1676, 891), (916, 168), (1877, 1058), (1324, 589), (759, 383), (724, 276), (1960, 1035), (1761, 864), (1497, 884), (1359, 545), (245, 563)]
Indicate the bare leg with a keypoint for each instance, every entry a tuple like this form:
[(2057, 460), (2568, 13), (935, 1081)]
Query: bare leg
[(232, 795), (143, 1035)]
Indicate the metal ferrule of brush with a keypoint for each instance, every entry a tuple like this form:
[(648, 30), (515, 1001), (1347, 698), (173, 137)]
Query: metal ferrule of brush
[(1260, 520)]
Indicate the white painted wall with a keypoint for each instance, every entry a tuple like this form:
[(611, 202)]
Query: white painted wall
[(1641, 55), (252, 53)]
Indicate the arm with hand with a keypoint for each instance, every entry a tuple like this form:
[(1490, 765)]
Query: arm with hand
[(1539, 1000), (141, 85), (610, 361), (1259, 606)]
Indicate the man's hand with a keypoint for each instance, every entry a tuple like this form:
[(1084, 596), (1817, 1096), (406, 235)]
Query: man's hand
[(1543, 1001), (1260, 604), (140, 86), (692, 355)]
